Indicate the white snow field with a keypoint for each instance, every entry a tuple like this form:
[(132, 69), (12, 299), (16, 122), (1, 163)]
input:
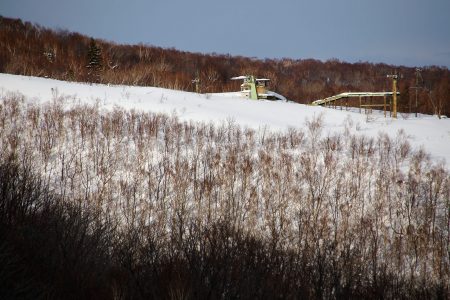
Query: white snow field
[(428, 132)]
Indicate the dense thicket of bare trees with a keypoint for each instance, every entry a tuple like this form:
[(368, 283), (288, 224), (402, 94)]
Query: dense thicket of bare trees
[(175, 209), (28, 49)]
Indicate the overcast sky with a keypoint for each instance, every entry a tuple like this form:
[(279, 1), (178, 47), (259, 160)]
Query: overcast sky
[(401, 32)]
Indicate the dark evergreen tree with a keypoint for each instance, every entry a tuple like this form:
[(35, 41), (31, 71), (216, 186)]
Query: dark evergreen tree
[(94, 61)]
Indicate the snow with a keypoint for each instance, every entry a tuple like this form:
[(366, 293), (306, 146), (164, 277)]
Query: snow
[(426, 131), (239, 77), (276, 95)]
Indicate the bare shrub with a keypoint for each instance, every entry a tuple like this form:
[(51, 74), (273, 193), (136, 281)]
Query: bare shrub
[(350, 213)]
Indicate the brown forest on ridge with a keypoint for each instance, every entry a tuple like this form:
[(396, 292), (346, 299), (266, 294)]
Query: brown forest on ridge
[(29, 49)]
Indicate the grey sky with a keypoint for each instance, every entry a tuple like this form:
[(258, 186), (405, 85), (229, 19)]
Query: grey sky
[(405, 32)]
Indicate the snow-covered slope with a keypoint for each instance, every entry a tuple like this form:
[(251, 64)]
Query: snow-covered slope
[(426, 131)]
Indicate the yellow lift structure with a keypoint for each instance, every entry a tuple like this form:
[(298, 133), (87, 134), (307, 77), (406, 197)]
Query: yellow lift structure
[(345, 96)]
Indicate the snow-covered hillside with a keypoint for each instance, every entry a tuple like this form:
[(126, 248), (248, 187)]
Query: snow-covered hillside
[(426, 131), (340, 201)]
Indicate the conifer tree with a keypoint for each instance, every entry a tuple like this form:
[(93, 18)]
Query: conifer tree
[(94, 61)]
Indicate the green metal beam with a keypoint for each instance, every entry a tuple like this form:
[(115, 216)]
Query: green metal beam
[(253, 93)]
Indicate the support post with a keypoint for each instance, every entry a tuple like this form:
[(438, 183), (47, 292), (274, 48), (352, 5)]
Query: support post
[(394, 94), (394, 90), (417, 86), (359, 104), (365, 107), (390, 107)]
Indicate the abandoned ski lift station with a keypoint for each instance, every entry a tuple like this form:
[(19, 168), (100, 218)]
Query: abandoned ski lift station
[(256, 88)]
